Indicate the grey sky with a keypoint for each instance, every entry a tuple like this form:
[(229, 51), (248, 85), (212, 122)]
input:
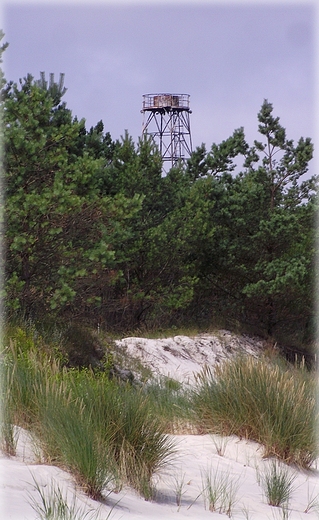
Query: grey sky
[(228, 57)]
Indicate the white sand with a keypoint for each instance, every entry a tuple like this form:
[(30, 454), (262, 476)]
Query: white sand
[(182, 357), (196, 455)]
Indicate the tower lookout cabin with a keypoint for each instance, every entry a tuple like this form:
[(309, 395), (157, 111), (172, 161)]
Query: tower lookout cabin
[(166, 117)]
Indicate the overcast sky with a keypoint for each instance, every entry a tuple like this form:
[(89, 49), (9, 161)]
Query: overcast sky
[(228, 56)]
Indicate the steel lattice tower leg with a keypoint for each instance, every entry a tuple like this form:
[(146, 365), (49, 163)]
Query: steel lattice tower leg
[(167, 120)]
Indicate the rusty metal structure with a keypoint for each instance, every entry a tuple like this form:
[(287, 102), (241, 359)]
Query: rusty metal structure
[(166, 117)]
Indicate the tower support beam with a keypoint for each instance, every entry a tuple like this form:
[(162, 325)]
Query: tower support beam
[(166, 117)]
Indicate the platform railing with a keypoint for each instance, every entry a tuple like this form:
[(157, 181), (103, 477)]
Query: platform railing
[(157, 101)]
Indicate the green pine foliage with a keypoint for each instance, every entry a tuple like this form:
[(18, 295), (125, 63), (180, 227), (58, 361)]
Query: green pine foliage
[(94, 232)]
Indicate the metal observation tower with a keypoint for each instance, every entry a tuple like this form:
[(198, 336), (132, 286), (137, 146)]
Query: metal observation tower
[(166, 117)]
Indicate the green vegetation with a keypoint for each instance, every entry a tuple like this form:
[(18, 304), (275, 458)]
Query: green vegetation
[(277, 482), (108, 433), (96, 238), (104, 432), (69, 435), (265, 401), (220, 491), (96, 234), (172, 402), (52, 504)]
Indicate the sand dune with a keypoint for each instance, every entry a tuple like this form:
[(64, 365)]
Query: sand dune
[(238, 462)]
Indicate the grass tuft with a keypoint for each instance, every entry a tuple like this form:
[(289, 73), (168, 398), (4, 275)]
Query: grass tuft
[(262, 401), (219, 491), (68, 435), (104, 433), (53, 504), (277, 482)]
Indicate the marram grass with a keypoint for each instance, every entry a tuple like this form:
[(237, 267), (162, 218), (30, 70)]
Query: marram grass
[(109, 434), (127, 421), (68, 436), (103, 433), (262, 401), (220, 491), (277, 482)]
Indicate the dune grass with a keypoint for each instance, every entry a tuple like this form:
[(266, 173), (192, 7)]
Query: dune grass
[(126, 421), (7, 435), (173, 404), (68, 436), (269, 403), (109, 434), (277, 482), (51, 503), (104, 433), (220, 491)]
